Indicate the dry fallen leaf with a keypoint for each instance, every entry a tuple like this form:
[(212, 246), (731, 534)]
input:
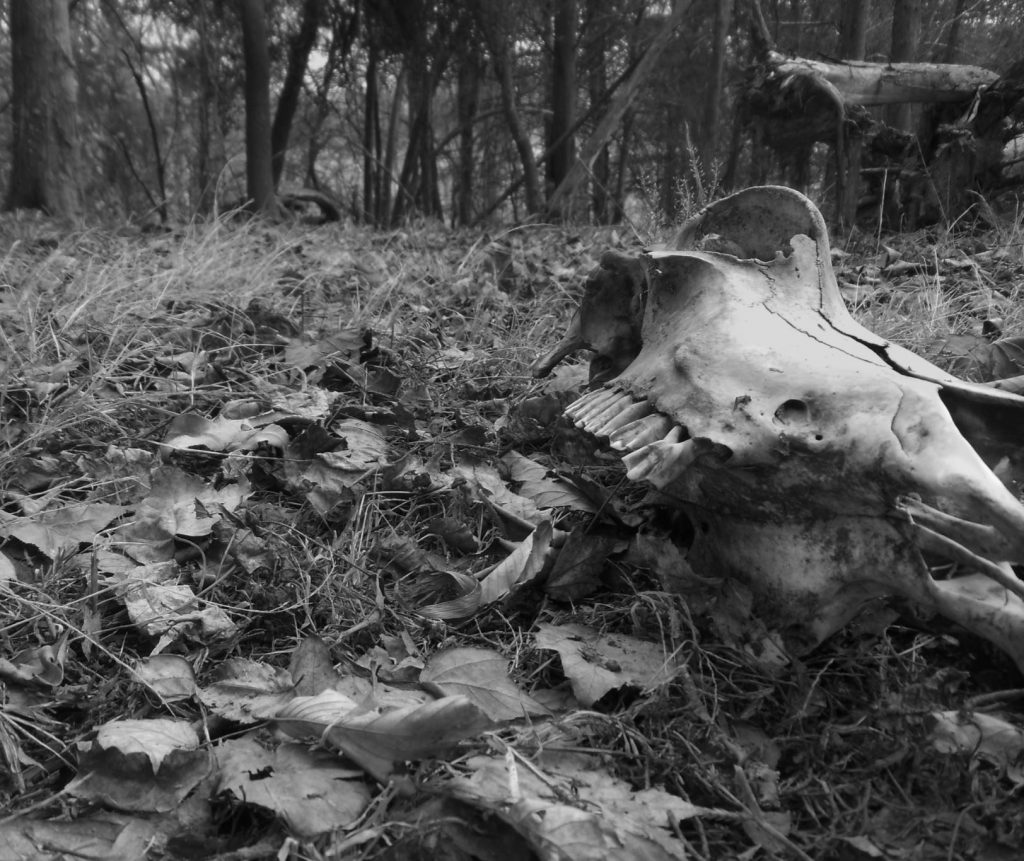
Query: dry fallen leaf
[(597, 663), (141, 765), (247, 691), (482, 676), (521, 566), (309, 790), (984, 737), (376, 740), (62, 528), (171, 677), (610, 819)]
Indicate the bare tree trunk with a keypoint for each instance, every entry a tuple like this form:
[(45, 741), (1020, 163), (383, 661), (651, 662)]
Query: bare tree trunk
[(466, 103), (559, 200), (497, 45), (953, 42), (563, 92), (384, 199), (716, 86), (45, 166), (853, 29), (796, 16), (259, 167), (595, 63), (371, 136), (906, 33), (160, 201), (207, 166), (853, 45), (287, 103), (625, 154)]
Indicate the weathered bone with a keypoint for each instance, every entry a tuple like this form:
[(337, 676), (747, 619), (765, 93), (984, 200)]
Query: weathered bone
[(819, 463)]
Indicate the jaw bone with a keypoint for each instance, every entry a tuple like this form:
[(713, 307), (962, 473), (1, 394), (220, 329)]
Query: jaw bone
[(818, 463)]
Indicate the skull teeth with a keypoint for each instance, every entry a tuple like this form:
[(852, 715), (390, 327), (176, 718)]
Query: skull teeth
[(661, 461), (626, 416), (591, 421), (579, 409), (641, 432), (674, 463)]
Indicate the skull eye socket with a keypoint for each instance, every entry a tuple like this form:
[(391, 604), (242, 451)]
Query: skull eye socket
[(794, 412)]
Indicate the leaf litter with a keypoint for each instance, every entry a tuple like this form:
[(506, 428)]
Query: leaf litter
[(312, 568)]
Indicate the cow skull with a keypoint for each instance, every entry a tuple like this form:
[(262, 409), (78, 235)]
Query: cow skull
[(818, 463)]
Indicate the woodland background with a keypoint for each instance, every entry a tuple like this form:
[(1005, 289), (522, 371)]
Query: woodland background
[(468, 112), (298, 559)]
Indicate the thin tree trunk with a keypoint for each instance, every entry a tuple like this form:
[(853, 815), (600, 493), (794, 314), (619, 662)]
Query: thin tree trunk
[(384, 200), (716, 86), (796, 16), (563, 92), (906, 32), (853, 45), (625, 154), (466, 102), (497, 44), (595, 60), (206, 168), (371, 136), (154, 137), (45, 166), (287, 103), (853, 29), (414, 177), (259, 167), (953, 42), (609, 122)]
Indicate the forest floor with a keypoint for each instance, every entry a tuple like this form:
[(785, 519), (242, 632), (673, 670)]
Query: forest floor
[(298, 561)]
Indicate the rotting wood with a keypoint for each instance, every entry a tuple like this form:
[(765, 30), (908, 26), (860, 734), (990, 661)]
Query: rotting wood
[(862, 83)]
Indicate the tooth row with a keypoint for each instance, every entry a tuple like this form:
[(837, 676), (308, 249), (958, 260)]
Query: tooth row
[(579, 409), (662, 461), (595, 416), (625, 416), (640, 432)]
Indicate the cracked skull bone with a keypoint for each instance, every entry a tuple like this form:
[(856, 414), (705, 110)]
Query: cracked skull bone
[(818, 463)]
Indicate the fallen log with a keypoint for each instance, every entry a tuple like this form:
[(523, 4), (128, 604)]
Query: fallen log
[(863, 83)]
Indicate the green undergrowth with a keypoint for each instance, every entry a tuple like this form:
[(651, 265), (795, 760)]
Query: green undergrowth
[(107, 340)]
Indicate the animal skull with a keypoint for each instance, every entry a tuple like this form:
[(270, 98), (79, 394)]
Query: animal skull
[(818, 463)]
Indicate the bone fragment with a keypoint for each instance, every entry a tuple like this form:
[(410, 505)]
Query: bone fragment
[(985, 608), (631, 413), (980, 538), (934, 542), (588, 403)]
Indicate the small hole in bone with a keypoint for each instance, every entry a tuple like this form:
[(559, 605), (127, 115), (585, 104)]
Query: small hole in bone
[(793, 412), (818, 437)]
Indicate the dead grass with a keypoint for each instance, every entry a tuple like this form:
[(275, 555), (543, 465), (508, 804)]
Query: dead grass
[(98, 336)]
